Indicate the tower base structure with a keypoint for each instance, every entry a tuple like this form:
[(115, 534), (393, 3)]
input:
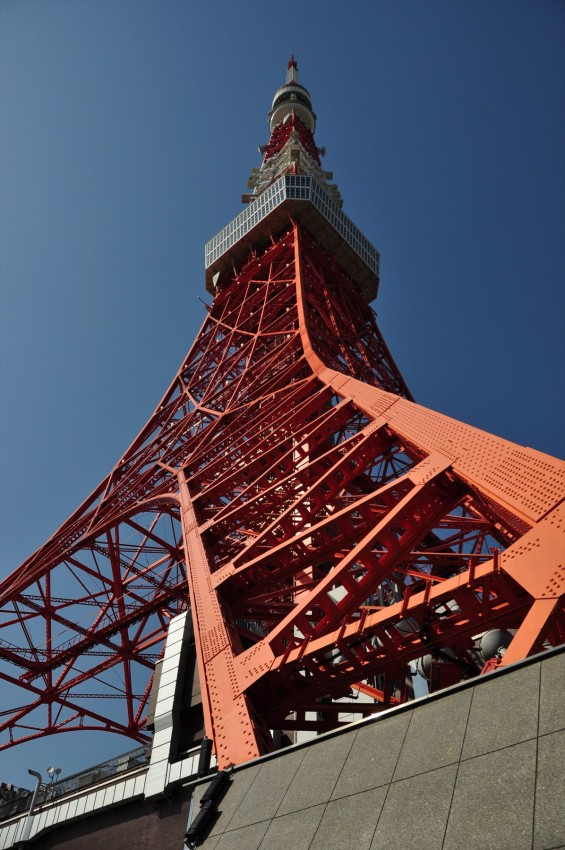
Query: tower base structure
[(331, 531), (480, 764)]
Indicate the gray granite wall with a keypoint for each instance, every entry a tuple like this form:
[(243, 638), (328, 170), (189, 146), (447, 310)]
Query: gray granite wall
[(480, 767)]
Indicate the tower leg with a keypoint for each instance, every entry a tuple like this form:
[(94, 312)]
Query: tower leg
[(228, 722), (530, 631)]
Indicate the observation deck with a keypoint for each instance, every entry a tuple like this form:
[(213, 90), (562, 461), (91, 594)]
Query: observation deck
[(300, 198)]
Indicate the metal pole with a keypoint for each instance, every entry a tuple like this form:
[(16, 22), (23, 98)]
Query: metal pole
[(28, 821)]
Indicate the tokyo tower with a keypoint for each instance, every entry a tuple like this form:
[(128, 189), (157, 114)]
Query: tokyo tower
[(329, 535)]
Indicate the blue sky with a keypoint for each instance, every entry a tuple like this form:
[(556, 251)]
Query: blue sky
[(129, 128)]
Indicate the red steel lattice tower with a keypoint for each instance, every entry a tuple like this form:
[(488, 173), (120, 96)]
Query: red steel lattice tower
[(326, 531)]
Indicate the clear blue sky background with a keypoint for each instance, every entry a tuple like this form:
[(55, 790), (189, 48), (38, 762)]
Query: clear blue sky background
[(128, 132)]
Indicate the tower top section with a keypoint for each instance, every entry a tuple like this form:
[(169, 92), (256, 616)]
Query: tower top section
[(292, 187), (291, 148), (292, 98)]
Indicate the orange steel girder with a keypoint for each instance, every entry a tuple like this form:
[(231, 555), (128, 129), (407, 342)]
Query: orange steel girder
[(330, 529)]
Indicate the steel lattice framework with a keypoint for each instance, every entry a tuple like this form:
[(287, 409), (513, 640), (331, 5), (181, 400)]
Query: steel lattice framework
[(325, 530)]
